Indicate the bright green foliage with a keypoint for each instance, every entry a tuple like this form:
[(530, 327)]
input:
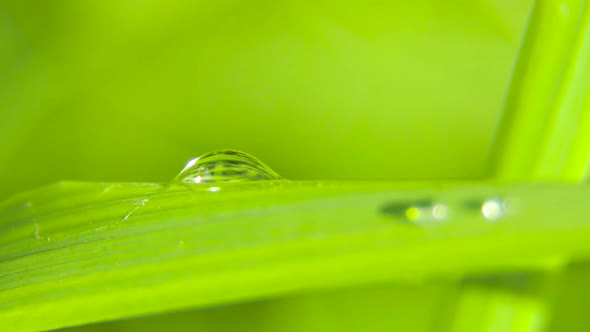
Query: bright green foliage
[(545, 131)]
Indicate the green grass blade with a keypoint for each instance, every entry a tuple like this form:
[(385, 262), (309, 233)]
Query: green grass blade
[(546, 127), (75, 253)]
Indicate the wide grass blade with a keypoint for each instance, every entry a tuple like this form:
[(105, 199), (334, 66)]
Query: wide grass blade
[(75, 253)]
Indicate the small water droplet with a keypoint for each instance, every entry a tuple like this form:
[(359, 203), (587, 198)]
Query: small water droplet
[(492, 209), (440, 211), (180, 244), (404, 209), (28, 204), (417, 211), (225, 166), (413, 213), (213, 189)]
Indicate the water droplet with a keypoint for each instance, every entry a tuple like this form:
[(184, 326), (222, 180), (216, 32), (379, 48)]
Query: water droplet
[(225, 166), (417, 211), (492, 209), (405, 209), (180, 244), (440, 211), (413, 213)]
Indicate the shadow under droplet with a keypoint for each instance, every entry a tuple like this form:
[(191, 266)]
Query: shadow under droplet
[(403, 210)]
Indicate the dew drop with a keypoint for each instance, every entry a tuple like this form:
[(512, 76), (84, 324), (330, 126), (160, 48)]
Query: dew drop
[(412, 213), (419, 211), (225, 166), (440, 211), (492, 209)]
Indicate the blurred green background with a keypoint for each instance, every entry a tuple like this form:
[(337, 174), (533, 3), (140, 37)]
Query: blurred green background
[(129, 90)]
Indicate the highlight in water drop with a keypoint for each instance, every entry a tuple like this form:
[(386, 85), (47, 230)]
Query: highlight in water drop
[(492, 209), (440, 211), (225, 166)]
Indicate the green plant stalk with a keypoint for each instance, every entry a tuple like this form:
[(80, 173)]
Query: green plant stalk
[(68, 251), (544, 134)]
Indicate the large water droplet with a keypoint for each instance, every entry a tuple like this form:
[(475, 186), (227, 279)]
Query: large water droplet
[(225, 166)]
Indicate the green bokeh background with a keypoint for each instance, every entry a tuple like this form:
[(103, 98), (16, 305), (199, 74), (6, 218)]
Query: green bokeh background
[(129, 90)]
